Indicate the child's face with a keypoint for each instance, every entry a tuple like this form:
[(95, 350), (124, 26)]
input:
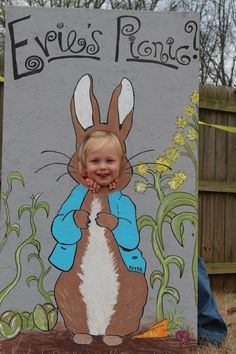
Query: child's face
[(103, 166)]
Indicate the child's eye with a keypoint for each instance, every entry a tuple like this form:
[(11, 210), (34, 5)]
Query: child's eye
[(95, 161), (110, 161)]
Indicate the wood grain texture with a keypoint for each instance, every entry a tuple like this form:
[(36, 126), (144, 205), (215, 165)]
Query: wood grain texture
[(208, 173), (221, 268), (217, 184), (230, 239), (220, 175)]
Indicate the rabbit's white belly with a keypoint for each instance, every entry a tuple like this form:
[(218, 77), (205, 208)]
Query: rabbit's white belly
[(99, 286)]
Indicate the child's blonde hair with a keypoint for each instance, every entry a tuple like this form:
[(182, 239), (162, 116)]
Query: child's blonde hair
[(96, 141)]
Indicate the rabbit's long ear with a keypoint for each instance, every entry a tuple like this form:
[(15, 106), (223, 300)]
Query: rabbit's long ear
[(120, 114), (84, 106)]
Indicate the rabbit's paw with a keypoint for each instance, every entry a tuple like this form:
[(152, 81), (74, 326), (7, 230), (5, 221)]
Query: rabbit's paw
[(112, 340), (106, 220), (80, 338), (81, 218), (94, 187)]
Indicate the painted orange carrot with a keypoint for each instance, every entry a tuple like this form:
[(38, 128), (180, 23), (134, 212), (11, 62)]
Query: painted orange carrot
[(157, 331)]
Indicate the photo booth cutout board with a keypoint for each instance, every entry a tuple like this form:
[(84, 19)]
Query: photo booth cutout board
[(130, 271)]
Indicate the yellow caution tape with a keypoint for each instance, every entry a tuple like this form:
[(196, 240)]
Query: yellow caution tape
[(222, 127)]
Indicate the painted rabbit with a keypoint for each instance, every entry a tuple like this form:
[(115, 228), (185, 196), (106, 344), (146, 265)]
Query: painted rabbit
[(102, 289)]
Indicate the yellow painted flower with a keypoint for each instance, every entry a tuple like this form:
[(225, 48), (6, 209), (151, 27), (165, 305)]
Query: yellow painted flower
[(172, 153), (195, 97), (162, 164), (189, 111), (192, 146), (181, 122), (142, 168), (173, 184), (192, 134), (179, 139), (140, 187), (177, 180)]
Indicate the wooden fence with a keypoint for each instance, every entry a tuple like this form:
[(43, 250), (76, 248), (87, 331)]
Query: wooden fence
[(217, 185)]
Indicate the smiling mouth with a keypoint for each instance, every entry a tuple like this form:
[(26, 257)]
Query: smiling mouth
[(103, 175)]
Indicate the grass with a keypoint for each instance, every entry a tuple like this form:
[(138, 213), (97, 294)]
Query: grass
[(224, 301)]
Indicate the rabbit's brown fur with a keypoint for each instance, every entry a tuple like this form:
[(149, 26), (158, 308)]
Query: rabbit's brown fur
[(131, 286), (132, 291)]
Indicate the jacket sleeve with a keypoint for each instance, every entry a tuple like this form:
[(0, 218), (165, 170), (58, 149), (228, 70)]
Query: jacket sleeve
[(64, 228), (126, 231)]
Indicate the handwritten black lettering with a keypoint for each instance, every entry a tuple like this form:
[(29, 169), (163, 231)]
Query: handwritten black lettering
[(166, 53), (62, 42), (136, 269), (34, 64), (54, 45)]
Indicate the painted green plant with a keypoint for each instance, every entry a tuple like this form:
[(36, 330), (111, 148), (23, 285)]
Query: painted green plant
[(174, 206), (10, 227), (43, 317), (10, 324), (47, 295), (30, 240), (177, 319)]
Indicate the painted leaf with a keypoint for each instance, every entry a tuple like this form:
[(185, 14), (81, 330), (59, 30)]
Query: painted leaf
[(16, 228), (15, 176), (177, 224), (45, 206), (47, 271), (168, 218), (40, 318), (10, 324), (51, 293), (30, 279), (7, 315), (22, 209), (48, 307), (52, 314), (177, 261), (31, 255), (3, 196), (170, 202), (27, 319), (45, 317), (52, 318), (156, 275), (35, 200), (37, 244), (173, 292), (145, 220), (30, 322), (183, 153)]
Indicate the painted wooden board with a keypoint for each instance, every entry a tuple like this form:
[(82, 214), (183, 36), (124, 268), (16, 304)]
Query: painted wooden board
[(116, 267)]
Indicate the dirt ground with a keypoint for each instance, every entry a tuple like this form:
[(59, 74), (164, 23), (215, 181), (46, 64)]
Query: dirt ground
[(60, 342), (225, 303)]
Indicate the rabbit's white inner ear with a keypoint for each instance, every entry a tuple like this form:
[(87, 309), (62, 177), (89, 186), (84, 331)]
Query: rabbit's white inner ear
[(125, 100), (83, 106)]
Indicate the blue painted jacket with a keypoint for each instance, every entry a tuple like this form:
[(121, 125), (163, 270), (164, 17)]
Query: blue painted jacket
[(67, 233)]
